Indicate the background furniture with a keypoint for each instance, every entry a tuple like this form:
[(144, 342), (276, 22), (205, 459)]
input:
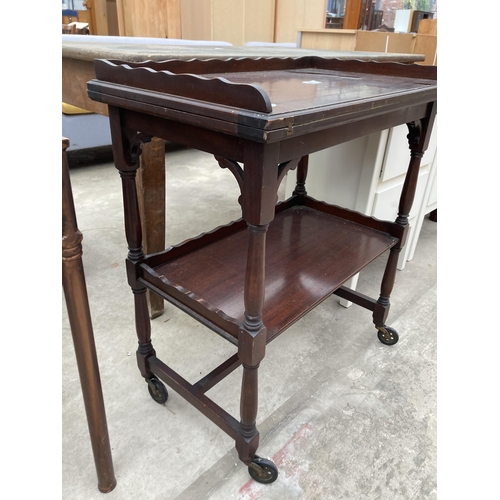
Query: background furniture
[(368, 41), (370, 18), (70, 15), (71, 24), (235, 21), (69, 29), (408, 21), (75, 292), (87, 130), (150, 18)]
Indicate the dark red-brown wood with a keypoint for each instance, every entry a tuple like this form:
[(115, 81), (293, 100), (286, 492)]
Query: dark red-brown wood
[(309, 255), (250, 280), (152, 204), (75, 293)]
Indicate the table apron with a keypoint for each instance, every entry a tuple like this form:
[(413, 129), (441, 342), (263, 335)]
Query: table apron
[(301, 145), (199, 138), (295, 146)]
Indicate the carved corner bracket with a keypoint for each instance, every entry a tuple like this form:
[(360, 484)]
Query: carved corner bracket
[(414, 135), (132, 141), (239, 173), (236, 170), (234, 167), (284, 167)]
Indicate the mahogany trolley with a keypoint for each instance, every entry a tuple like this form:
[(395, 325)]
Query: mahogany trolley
[(260, 118)]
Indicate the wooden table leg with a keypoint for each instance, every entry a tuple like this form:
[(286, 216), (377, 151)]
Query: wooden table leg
[(75, 293), (151, 180), (151, 174)]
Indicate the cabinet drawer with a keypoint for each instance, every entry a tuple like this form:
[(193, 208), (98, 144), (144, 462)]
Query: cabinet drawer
[(386, 201), (397, 154), (433, 190)]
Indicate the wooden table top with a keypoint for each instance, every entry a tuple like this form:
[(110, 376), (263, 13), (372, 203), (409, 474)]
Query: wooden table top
[(88, 51), (263, 98)]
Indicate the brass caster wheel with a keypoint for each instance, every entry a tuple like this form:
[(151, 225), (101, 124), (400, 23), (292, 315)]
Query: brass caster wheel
[(387, 335), (263, 470), (157, 390)]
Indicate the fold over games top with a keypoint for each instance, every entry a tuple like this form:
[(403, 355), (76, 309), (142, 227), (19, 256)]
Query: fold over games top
[(271, 98)]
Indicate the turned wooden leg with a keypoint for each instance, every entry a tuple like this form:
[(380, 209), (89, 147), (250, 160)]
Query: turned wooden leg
[(381, 310), (248, 412), (135, 254), (300, 187), (411, 179), (252, 342), (126, 151), (418, 141), (259, 185), (75, 292), (143, 328)]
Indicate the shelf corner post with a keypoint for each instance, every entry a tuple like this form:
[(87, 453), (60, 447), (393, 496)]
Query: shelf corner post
[(252, 342), (300, 187), (419, 133), (259, 188), (126, 151)]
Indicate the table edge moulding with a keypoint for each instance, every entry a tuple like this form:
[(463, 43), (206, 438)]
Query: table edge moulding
[(251, 279)]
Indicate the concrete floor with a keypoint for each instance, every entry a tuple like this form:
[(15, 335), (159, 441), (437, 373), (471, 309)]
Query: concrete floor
[(343, 416)]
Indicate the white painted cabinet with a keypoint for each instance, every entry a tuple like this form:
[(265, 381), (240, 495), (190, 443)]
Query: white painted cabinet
[(367, 175)]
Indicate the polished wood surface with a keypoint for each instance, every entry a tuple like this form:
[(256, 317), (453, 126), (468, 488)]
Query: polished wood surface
[(75, 292), (275, 91), (250, 280), (297, 271), (78, 69), (332, 92)]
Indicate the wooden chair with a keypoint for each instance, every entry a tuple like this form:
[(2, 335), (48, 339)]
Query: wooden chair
[(70, 14)]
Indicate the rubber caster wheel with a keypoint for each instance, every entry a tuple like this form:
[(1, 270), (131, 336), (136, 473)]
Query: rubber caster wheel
[(263, 470), (387, 335), (157, 390)]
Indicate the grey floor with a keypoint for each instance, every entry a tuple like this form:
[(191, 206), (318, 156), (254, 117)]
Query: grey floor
[(343, 416)]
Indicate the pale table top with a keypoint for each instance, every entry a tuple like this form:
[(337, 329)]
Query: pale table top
[(88, 51)]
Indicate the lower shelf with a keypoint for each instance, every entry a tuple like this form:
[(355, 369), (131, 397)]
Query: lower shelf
[(309, 254)]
